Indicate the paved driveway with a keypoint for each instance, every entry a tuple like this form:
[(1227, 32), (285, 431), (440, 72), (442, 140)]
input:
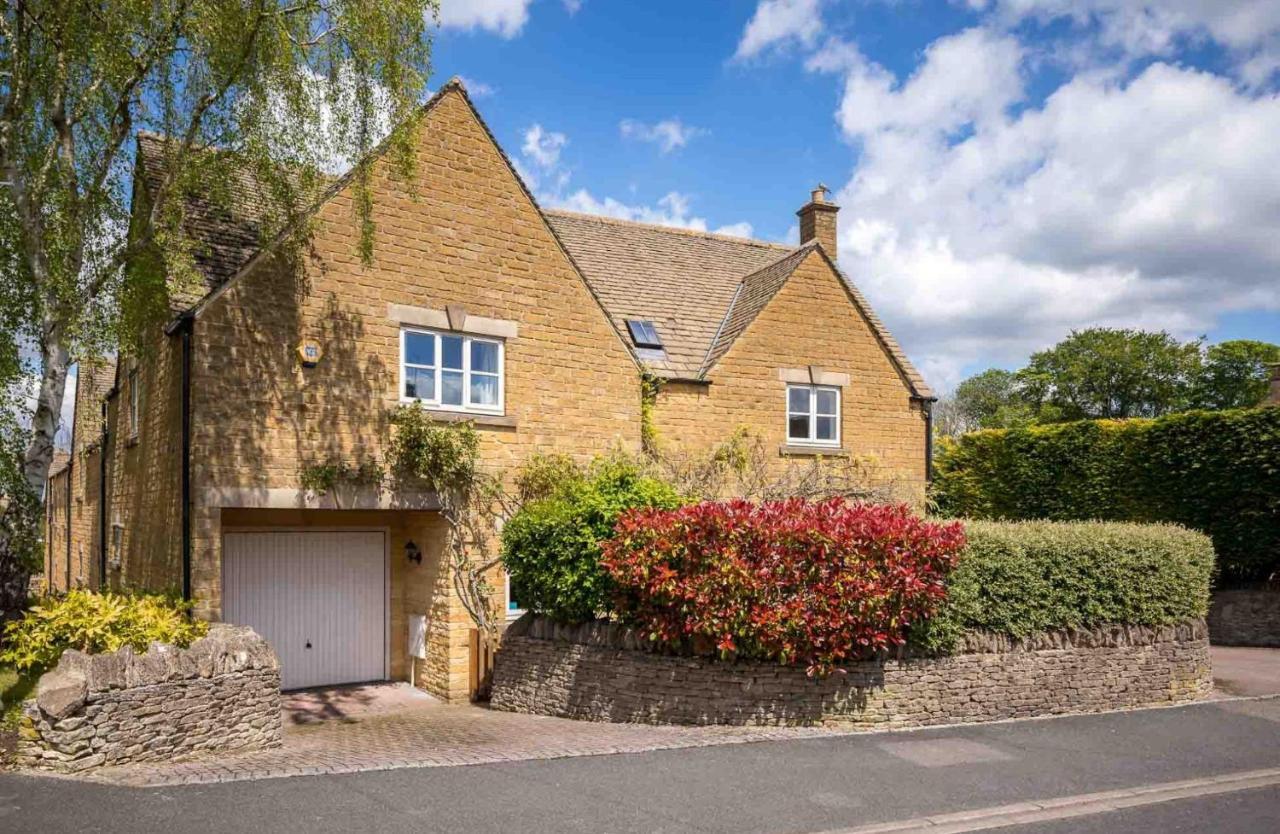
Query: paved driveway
[(390, 726)]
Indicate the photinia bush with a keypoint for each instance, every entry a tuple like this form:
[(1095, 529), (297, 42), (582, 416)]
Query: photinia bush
[(802, 582)]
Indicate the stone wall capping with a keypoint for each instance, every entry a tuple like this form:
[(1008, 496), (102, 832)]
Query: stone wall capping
[(220, 693)]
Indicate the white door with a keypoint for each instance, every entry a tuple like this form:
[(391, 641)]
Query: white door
[(318, 597)]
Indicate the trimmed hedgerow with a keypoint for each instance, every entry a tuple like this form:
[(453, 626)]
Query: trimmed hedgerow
[(551, 546), (1022, 578), (810, 583), (1217, 472)]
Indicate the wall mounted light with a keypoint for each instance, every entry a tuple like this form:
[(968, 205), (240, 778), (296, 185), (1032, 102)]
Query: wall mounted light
[(412, 553)]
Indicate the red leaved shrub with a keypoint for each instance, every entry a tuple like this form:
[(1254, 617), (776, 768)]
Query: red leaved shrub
[(802, 582)]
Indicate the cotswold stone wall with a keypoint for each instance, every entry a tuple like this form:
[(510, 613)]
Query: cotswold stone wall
[(600, 672), (221, 693), (1245, 618)]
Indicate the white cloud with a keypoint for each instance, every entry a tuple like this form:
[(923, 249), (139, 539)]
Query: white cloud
[(1250, 29), (668, 134), (743, 229), (505, 18), (984, 226), (475, 88), (542, 146), (778, 24), (573, 6)]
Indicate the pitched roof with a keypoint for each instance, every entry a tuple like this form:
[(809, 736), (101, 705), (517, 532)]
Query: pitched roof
[(701, 290), (680, 280), (61, 457)]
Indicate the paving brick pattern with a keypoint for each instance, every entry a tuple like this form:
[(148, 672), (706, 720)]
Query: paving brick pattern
[(433, 735)]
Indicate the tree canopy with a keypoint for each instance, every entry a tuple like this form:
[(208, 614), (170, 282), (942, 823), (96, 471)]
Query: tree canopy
[(1112, 373), (283, 88)]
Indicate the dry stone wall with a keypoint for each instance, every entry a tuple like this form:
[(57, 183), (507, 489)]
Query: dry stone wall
[(602, 672), (1245, 618), (221, 693)]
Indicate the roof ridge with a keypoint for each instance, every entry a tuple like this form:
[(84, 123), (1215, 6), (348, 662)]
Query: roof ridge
[(659, 227)]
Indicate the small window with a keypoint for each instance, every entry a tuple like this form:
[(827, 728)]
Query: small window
[(451, 371), (134, 403), (813, 415), (643, 333)]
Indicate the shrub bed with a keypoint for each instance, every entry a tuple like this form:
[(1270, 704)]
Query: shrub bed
[(1025, 578), (809, 583), (551, 547), (95, 623), (1216, 472)]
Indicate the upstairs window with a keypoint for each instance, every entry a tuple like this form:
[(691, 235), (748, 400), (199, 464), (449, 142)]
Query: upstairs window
[(813, 415), (450, 371), (644, 334)]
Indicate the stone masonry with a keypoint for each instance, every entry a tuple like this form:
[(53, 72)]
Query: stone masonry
[(1245, 618), (222, 693), (600, 672)]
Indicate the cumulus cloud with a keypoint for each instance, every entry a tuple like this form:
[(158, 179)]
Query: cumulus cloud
[(477, 88), (1249, 29), (668, 134), (543, 146), (986, 225), (778, 24), (505, 18)]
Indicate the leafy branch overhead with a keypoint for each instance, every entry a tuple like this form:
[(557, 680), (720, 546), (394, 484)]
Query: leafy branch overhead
[(93, 245)]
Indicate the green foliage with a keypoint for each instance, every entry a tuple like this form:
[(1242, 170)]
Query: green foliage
[(437, 456), (1022, 578), (1104, 372), (15, 687), (649, 387), (1235, 374), (551, 546), (1217, 472), (989, 400), (323, 478), (95, 623)]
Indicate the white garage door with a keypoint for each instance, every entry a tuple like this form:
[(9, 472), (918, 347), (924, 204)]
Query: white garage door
[(318, 597)]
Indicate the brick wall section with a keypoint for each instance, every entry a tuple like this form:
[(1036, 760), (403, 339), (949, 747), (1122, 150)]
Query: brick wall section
[(222, 693), (598, 672), (1245, 618), (811, 321)]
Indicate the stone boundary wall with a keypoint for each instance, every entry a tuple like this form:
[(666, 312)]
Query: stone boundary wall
[(601, 672), (1245, 618), (221, 693)]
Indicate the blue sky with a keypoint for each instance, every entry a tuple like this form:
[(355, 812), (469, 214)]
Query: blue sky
[(1008, 169)]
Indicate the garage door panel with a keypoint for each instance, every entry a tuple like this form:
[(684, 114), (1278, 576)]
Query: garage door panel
[(318, 597)]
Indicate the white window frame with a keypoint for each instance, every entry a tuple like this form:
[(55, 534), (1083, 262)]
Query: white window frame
[(812, 416), (135, 403), (467, 406)]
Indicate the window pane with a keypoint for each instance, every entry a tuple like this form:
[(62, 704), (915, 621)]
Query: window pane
[(451, 387), (826, 401), (451, 351), (484, 390), (419, 348), (420, 383), (798, 428), (484, 357), (826, 428), (798, 399)]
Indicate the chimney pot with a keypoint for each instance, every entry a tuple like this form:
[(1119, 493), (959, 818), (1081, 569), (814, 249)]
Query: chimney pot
[(818, 221)]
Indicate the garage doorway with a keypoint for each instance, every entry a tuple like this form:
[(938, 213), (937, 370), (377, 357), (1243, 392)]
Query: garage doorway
[(319, 597)]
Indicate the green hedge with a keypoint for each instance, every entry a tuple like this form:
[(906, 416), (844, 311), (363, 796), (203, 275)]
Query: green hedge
[(1217, 472), (1021, 578), (551, 547)]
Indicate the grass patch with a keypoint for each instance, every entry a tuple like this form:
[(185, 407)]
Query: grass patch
[(15, 687)]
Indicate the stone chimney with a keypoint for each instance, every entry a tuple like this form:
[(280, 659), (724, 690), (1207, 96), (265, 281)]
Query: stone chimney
[(818, 221), (1273, 396)]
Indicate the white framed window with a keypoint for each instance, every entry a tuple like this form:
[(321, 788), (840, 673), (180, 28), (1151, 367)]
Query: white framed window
[(813, 415), (451, 371), (135, 401)]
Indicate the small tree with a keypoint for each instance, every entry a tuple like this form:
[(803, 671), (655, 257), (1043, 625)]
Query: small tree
[(1235, 374), (257, 79)]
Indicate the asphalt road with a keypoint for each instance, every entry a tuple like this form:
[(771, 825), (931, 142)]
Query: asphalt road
[(795, 787)]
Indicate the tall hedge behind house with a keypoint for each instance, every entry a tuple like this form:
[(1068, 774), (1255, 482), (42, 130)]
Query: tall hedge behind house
[(1218, 472)]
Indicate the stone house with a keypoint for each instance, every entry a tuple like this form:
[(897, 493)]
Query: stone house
[(535, 325)]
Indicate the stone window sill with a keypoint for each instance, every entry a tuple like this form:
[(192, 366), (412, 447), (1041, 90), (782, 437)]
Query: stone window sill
[(795, 450), (497, 421)]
